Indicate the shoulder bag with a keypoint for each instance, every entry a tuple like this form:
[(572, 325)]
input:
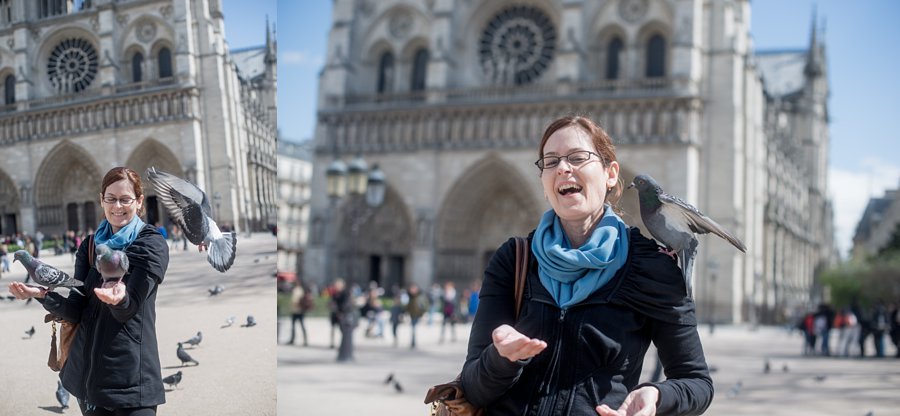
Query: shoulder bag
[(448, 399), (58, 355)]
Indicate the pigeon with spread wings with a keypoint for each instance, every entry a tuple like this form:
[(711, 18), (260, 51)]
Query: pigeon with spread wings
[(189, 208)]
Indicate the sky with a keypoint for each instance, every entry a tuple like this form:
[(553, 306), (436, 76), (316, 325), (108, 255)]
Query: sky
[(860, 39)]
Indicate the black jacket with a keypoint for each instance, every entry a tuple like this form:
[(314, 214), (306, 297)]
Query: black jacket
[(595, 349), (114, 359)]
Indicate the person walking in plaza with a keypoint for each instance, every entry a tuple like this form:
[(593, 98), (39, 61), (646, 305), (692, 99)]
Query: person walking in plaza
[(415, 308), (880, 325), (398, 308), (113, 366), (345, 314), (301, 302), (848, 328), (448, 301), (597, 294), (895, 327)]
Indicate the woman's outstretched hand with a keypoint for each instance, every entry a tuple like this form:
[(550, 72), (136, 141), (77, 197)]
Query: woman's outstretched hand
[(514, 346), (641, 402), (22, 291), (111, 291)]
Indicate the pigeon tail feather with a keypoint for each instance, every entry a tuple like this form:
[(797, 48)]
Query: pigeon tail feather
[(222, 252)]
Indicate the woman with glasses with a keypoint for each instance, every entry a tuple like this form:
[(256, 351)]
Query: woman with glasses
[(113, 364), (597, 294)]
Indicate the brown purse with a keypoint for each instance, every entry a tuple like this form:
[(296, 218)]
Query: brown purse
[(58, 355), (448, 399)]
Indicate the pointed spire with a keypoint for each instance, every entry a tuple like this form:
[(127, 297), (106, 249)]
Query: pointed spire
[(270, 44), (814, 55)]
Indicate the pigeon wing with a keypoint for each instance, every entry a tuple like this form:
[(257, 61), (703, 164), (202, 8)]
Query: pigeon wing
[(52, 277), (700, 223), (184, 202)]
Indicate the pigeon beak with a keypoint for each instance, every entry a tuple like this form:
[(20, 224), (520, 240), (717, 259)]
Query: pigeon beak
[(631, 185)]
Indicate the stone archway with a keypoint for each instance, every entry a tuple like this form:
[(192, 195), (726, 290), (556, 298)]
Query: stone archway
[(153, 153), (68, 177), (9, 205), (485, 207), (375, 243)]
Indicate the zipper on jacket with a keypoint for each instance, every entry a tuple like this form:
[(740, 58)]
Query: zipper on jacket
[(552, 369)]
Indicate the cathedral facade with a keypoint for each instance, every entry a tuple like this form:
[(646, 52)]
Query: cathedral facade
[(450, 98), (95, 84)]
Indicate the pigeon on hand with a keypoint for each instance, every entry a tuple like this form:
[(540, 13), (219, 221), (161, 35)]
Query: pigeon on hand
[(173, 380), (675, 223), (195, 340), (228, 322), (183, 356), (251, 321), (45, 274), (189, 208), (216, 290), (112, 264), (30, 332), (62, 396)]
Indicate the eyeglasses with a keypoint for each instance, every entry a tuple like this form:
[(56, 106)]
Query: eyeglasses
[(123, 201), (575, 158)]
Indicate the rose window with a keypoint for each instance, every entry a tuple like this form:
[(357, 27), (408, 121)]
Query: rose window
[(517, 45), (72, 65)]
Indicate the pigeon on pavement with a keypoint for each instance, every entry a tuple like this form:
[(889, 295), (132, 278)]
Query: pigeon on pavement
[(45, 274), (389, 379), (184, 356), (767, 366), (62, 396), (112, 264), (228, 322), (173, 380), (189, 208), (675, 223), (216, 290), (195, 340), (251, 321), (735, 389), (30, 332)]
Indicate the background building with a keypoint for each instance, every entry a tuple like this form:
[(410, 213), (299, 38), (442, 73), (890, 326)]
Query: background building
[(877, 225), (294, 176), (450, 99), (95, 84)]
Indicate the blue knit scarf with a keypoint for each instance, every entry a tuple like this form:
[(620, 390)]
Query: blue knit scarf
[(121, 239), (571, 275)]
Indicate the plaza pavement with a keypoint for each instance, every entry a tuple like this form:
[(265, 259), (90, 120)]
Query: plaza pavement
[(237, 365), (310, 382)]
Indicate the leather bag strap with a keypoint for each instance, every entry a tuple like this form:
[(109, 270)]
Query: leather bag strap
[(522, 259)]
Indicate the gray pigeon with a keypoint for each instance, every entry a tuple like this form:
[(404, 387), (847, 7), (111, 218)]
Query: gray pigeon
[(173, 380), (189, 208), (216, 290), (62, 396), (184, 356), (674, 223), (112, 264), (195, 340), (228, 322), (251, 321), (30, 332), (45, 274)]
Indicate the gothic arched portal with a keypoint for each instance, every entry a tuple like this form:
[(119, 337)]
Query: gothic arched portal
[(9, 205), (486, 206), (68, 177), (153, 153), (374, 243)]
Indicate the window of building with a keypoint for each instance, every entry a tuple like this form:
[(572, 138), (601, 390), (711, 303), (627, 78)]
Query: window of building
[(656, 57), (6, 11), (137, 63), (386, 73), (420, 68), (164, 59), (9, 89), (613, 58)]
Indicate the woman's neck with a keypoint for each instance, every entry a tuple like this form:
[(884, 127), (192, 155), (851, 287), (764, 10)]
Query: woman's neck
[(580, 231)]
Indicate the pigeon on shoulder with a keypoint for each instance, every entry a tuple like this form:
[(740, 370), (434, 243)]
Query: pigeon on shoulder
[(675, 223), (45, 274), (189, 208)]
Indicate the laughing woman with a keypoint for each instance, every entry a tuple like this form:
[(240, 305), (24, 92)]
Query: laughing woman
[(113, 366)]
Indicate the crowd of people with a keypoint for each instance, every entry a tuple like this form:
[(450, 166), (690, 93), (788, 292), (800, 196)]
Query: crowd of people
[(846, 331)]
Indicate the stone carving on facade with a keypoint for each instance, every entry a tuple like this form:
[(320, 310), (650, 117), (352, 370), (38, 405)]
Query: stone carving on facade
[(400, 24), (424, 229), (365, 7), (11, 42), (633, 11), (517, 46), (166, 11), (72, 65), (95, 23), (146, 31), (122, 18)]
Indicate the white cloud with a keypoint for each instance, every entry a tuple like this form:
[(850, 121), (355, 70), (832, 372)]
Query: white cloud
[(850, 192), (300, 58)]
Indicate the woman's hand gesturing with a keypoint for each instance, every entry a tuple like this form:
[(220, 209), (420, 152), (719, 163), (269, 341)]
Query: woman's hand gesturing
[(514, 346)]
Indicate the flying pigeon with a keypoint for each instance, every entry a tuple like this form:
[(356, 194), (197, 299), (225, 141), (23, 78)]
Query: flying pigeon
[(675, 223), (112, 264), (30, 332), (45, 274), (251, 321), (195, 340), (228, 322), (62, 396), (173, 380), (216, 290), (189, 207), (184, 356)]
